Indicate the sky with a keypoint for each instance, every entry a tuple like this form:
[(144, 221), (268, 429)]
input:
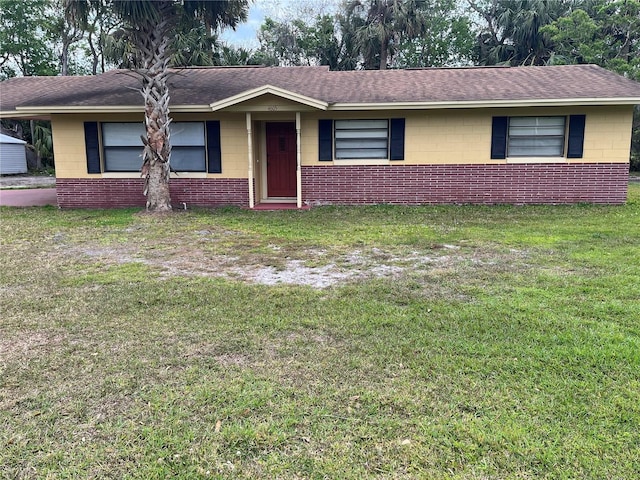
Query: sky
[(245, 34)]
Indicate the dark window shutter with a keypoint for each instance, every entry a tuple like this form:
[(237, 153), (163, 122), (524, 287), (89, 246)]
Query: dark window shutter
[(214, 154), (576, 136), (396, 148), (92, 146), (499, 137), (325, 140)]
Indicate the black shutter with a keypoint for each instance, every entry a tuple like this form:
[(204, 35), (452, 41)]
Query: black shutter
[(325, 140), (396, 147), (92, 146), (499, 137), (214, 154), (576, 136)]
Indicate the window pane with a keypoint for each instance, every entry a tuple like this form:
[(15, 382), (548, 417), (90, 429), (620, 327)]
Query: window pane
[(361, 143), (376, 133), (360, 124), (190, 134), (122, 134), (185, 159), (546, 130), (536, 147), (361, 153), (123, 159), (534, 121)]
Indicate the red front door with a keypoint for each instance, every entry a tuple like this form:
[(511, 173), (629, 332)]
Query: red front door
[(281, 160)]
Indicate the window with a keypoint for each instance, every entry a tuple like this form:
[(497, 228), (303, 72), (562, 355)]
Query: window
[(536, 137), (361, 139), (122, 146), (188, 147)]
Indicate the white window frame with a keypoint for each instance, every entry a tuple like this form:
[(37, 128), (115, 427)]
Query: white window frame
[(537, 131), (362, 135), (113, 144)]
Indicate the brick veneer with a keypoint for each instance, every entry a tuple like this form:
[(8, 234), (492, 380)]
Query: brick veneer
[(399, 184), (127, 192), (548, 183)]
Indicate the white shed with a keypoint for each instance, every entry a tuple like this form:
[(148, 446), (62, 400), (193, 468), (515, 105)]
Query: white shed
[(13, 155)]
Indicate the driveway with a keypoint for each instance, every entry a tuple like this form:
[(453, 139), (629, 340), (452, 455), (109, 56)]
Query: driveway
[(27, 190), (28, 197)]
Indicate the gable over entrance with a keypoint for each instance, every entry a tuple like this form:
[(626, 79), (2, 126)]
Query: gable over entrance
[(269, 98)]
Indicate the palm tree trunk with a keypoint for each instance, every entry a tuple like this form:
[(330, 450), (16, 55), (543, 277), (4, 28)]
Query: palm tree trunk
[(153, 40), (384, 52)]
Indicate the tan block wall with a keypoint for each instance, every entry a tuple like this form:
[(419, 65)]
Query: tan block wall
[(69, 149), (432, 136), (607, 136), (70, 153), (464, 136)]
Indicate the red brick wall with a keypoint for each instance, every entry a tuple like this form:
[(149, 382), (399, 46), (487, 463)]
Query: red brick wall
[(127, 192), (484, 184), (399, 184)]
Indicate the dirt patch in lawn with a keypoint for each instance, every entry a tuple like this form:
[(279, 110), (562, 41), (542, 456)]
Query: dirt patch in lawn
[(334, 269), (240, 256), (28, 344)]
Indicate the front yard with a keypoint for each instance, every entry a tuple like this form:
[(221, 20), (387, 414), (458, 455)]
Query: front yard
[(452, 342)]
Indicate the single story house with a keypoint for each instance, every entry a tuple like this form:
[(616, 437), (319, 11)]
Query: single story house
[(309, 136)]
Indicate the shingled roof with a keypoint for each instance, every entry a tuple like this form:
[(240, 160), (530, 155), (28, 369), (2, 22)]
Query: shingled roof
[(422, 88)]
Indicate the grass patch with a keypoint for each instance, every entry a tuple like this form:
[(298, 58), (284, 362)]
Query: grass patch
[(376, 342)]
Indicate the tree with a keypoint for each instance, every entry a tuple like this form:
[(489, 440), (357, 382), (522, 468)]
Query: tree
[(149, 28), (447, 39), (512, 32), (606, 33), (281, 40), (23, 41), (64, 34), (382, 27), (372, 35), (296, 42), (100, 25)]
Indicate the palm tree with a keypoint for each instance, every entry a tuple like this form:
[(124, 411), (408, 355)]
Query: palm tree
[(383, 25), (512, 34), (149, 25)]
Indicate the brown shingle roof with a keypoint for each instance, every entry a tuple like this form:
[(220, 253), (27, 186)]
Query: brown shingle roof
[(203, 86)]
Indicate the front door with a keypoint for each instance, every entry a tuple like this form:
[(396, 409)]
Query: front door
[(281, 160)]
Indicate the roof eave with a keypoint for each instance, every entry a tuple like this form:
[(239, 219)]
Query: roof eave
[(23, 115), (44, 112), (562, 102), (29, 111)]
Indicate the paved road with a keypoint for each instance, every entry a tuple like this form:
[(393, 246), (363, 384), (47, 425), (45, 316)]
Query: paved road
[(31, 197)]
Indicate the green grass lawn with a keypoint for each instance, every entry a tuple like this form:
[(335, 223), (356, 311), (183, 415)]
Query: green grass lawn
[(452, 342)]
